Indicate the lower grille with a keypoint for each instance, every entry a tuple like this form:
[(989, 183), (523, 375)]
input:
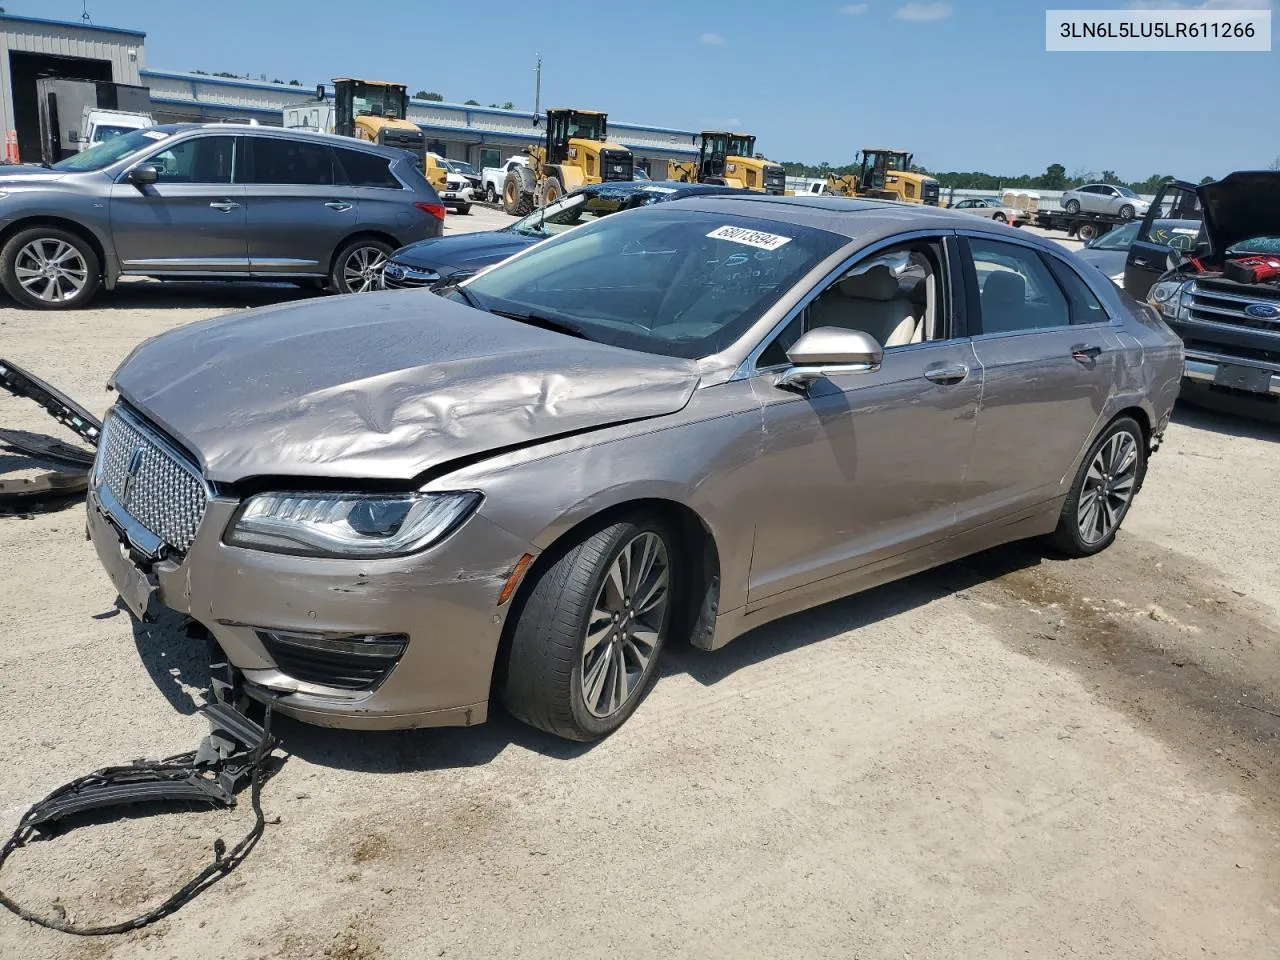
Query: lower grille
[(155, 484), (616, 165), (931, 193), (775, 181), (352, 663)]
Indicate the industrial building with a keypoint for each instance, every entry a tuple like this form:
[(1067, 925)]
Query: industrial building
[(32, 47)]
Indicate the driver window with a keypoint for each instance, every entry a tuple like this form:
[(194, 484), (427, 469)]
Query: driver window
[(895, 296), (198, 160)]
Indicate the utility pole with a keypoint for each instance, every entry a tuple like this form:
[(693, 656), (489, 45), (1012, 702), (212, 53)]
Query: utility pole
[(537, 92)]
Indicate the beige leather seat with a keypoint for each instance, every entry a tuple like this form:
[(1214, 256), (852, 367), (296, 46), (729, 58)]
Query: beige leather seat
[(872, 302)]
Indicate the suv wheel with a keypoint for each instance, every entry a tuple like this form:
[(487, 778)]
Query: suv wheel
[(358, 266), (49, 269), (585, 646)]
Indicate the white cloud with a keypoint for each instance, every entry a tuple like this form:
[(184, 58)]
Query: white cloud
[(853, 9), (712, 39), (1199, 4), (921, 12)]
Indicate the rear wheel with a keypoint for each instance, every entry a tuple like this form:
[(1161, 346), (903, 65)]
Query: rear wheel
[(1087, 231), (1109, 477), (464, 208), (517, 192), (50, 269), (1126, 212), (586, 643), (1072, 206), (1000, 218), (549, 190), (490, 194), (358, 266)]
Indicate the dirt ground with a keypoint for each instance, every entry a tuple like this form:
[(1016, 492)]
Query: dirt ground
[(1013, 756)]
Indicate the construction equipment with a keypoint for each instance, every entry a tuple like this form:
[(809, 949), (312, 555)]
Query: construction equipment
[(576, 152), (730, 159), (885, 174), (372, 110)]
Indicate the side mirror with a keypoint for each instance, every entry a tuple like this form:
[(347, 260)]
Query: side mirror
[(828, 352), (143, 174)]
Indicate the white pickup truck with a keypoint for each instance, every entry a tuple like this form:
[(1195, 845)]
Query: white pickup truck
[(98, 125), (493, 178)]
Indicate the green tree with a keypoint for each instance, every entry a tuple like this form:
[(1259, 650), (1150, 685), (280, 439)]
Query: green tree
[(1204, 180), (1109, 176), (295, 83), (471, 103), (1054, 177), (508, 105), (428, 95)]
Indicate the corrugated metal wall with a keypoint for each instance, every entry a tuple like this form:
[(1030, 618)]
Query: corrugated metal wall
[(122, 49)]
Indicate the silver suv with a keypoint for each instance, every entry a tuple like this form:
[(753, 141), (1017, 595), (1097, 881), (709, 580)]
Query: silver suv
[(210, 201)]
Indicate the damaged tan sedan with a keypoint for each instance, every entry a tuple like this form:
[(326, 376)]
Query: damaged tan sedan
[(673, 424)]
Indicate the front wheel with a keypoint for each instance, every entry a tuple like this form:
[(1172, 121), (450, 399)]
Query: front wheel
[(49, 269), (1126, 212), (1072, 206), (1109, 478), (358, 266), (586, 642), (464, 208), (490, 194)]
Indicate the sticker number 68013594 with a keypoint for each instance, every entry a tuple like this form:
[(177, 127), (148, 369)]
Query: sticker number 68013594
[(751, 238)]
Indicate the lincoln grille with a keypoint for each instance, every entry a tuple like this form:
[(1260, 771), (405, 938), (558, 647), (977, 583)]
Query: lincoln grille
[(157, 487)]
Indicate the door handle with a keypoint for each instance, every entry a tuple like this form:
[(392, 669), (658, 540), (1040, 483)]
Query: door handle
[(1085, 353), (226, 206), (946, 373), (340, 205)]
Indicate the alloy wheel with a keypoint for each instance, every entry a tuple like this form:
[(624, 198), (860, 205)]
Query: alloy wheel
[(1108, 488), (362, 270), (623, 629), (51, 270)]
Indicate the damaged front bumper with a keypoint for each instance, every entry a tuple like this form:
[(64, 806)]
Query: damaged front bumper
[(362, 644)]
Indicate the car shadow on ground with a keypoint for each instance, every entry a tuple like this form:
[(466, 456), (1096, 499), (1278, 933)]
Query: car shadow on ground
[(180, 295), (1253, 419)]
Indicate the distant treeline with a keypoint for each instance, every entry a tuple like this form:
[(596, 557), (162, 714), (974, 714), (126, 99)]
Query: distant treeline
[(1054, 178)]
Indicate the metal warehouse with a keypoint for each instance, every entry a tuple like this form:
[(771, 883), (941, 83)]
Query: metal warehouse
[(31, 48)]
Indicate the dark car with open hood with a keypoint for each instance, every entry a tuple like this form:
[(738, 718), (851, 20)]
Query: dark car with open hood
[(443, 260), (1223, 296)]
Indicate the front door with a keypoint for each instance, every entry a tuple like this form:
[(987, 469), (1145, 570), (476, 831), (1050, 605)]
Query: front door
[(1049, 355), (297, 215), (192, 220), (868, 465), (1174, 215)]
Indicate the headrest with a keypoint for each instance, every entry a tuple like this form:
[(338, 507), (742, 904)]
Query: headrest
[(876, 284), (917, 292), (1006, 286)]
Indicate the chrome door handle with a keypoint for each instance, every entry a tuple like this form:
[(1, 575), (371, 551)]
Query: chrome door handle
[(340, 205), (947, 373), (226, 206), (1085, 353)]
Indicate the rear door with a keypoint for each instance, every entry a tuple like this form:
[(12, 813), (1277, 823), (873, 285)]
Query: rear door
[(384, 204), (1149, 257), (192, 220), (298, 211), (1049, 355)]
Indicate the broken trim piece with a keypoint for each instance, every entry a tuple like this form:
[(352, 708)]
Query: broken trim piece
[(236, 751), (61, 407)]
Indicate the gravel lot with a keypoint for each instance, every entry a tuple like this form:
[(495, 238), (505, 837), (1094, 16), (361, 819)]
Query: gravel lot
[(1013, 756)]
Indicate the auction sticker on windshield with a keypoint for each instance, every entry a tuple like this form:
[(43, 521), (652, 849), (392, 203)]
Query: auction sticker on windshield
[(752, 238)]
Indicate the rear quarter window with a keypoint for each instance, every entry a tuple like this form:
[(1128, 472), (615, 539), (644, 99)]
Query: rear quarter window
[(367, 169)]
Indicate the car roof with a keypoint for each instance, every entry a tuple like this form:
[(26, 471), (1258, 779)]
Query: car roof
[(262, 130)]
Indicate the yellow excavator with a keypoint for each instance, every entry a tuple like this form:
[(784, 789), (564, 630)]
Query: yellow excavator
[(730, 159), (576, 152), (885, 174), (378, 111)]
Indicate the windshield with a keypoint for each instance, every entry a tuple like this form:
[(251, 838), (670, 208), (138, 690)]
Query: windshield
[(742, 146), (1256, 245), (101, 134), (461, 166), (1119, 239), (1125, 192), (676, 282), (103, 155), (371, 100), (583, 126)]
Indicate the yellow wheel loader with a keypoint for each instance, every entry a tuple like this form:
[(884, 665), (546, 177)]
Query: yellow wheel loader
[(885, 174), (576, 152), (378, 111), (730, 159)]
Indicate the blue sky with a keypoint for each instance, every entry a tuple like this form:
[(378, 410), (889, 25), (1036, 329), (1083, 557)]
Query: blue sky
[(965, 84)]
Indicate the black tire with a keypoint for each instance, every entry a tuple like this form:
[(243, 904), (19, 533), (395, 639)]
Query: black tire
[(549, 190), (341, 279), (1126, 212), (518, 192), (1068, 538), (543, 682), (1087, 231), (1000, 218), (1072, 206), (490, 194), (464, 208), (79, 264)]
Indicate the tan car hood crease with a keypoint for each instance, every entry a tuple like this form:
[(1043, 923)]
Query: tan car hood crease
[(351, 388)]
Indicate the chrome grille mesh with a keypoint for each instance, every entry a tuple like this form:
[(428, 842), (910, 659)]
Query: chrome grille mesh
[(165, 494)]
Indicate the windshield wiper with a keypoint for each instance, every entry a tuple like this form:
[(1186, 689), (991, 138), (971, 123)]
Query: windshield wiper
[(468, 296), (546, 323)]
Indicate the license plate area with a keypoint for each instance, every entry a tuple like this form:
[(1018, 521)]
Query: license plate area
[(1251, 379), (134, 587)]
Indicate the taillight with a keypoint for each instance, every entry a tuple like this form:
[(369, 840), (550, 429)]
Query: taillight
[(436, 210)]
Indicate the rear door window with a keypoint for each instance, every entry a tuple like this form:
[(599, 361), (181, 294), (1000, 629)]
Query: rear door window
[(366, 169), (277, 160), (1016, 290)]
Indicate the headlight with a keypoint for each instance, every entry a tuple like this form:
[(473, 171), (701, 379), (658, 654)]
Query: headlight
[(1166, 296), (356, 525)]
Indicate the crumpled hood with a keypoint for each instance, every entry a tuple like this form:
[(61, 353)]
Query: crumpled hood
[(463, 251), (382, 386), (1241, 206)]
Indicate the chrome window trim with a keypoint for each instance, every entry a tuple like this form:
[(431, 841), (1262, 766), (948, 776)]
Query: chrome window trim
[(748, 368)]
